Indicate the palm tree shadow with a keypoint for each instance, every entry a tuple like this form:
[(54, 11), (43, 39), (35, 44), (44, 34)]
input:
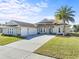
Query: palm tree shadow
[(75, 34), (70, 35)]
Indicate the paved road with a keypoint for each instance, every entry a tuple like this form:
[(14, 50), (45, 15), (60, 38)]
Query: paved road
[(24, 49)]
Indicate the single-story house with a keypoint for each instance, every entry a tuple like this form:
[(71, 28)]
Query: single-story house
[(43, 27)]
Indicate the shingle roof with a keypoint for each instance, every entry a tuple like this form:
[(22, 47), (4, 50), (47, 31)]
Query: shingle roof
[(50, 21), (24, 24), (46, 21)]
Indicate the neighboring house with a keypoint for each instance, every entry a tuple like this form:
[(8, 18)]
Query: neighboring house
[(43, 27)]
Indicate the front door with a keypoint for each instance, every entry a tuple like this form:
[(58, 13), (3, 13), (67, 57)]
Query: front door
[(50, 30)]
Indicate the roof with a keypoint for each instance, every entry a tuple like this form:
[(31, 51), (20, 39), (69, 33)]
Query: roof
[(24, 24), (50, 21), (46, 21)]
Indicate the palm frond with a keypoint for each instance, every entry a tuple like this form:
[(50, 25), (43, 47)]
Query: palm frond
[(65, 13)]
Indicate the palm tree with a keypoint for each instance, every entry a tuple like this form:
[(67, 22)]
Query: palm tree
[(66, 15)]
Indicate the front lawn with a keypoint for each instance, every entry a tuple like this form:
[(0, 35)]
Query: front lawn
[(8, 39), (61, 47)]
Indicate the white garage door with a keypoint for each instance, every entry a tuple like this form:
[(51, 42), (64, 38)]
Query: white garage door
[(24, 31), (28, 31), (32, 31)]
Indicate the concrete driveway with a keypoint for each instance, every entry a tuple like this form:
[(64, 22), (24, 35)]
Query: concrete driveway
[(32, 44), (24, 49)]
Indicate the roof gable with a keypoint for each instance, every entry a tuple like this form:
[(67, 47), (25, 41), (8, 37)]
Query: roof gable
[(11, 23), (47, 21)]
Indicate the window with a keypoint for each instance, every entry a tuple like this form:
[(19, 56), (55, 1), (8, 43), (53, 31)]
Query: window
[(41, 29), (10, 29), (12, 32), (44, 29), (59, 30), (37, 29), (52, 30)]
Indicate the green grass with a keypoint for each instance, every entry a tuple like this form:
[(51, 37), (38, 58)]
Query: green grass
[(61, 47), (8, 39)]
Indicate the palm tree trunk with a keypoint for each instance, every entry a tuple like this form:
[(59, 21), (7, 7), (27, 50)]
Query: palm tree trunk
[(64, 28)]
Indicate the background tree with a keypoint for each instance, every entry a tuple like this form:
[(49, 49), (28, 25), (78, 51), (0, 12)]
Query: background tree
[(76, 28)]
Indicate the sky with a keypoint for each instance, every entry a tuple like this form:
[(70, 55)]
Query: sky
[(33, 11)]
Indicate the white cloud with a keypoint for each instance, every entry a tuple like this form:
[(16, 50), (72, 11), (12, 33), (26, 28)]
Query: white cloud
[(42, 4), (14, 9), (49, 17)]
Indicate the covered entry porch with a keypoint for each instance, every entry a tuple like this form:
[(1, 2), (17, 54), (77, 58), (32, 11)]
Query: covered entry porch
[(49, 29)]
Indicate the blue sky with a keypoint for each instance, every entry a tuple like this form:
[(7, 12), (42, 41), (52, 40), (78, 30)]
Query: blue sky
[(34, 10)]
